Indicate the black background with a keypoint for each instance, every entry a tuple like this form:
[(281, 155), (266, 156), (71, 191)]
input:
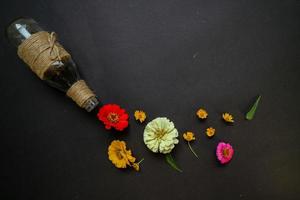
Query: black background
[(168, 58)]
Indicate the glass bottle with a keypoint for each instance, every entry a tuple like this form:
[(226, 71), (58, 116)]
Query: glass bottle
[(62, 74)]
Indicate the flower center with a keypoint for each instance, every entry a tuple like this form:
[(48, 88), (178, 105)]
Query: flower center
[(226, 152), (113, 117), (119, 155), (160, 134), (140, 115)]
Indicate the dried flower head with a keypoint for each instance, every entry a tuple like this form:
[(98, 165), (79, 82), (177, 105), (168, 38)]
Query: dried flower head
[(136, 166), (210, 131), (227, 117), (140, 115), (119, 155), (202, 114), (189, 136)]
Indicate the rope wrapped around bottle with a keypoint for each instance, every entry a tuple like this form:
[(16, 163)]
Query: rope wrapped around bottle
[(40, 51)]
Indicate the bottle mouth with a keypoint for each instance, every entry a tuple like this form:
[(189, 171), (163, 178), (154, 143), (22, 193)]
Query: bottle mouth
[(9, 24), (20, 29), (91, 104)]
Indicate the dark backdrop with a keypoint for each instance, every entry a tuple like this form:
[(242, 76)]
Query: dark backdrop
[(168, 58)]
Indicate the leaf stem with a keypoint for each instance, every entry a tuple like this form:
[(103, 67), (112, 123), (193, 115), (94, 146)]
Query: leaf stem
[(140, 161), (192, 150)]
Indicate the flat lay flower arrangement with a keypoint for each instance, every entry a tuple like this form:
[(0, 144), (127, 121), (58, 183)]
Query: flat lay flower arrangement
[(161, 136)]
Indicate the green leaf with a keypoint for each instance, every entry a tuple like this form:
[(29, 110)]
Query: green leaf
[(172, 162), (251, 113)]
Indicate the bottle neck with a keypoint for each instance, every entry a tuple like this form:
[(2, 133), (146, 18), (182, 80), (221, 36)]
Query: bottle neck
[(83, 95), (91, 104)]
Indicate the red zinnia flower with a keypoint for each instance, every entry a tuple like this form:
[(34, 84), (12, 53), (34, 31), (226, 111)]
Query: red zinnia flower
[(113, 115)]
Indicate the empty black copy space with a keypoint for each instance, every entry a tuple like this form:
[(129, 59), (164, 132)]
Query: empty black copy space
[(168, 58)]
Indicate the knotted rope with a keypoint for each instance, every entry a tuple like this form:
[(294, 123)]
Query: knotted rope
[(40, 51)]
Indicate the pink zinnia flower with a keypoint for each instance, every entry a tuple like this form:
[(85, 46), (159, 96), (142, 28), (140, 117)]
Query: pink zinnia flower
[(224, 152)]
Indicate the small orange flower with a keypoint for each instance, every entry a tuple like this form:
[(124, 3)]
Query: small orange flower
[(228, 117), (210, 131), (136, 166), (140, 115), (202, 114), (189, 136)]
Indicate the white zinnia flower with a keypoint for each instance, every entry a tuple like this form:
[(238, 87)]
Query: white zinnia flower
[(160, 135)]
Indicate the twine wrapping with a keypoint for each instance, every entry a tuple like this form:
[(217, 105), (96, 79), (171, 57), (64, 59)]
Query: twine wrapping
[(80, 93), (40, 51)]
